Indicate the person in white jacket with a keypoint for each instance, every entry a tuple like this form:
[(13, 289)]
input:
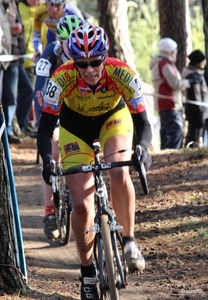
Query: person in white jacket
[(168, 86)]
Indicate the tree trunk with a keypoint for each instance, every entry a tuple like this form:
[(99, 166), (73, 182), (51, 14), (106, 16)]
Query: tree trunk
[(11, 278), (172, 18), (205, 16), (113, 18)]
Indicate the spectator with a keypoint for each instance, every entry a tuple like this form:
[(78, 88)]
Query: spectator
[(49, 14), (27, 10), (168, 87), (5, 42), (206, 74), (195, 114), (10, 78), (206, 120)]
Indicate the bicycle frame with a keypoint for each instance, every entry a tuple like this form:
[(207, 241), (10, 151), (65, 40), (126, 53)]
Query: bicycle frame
[(104, 209)]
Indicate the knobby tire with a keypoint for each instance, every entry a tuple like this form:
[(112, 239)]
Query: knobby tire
[(108, 252), (65, 227), (62, 200)]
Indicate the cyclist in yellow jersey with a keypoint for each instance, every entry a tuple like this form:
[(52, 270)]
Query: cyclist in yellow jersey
[(95, 97), (49, 14)]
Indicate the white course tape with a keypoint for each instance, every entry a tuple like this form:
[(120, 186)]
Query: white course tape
[(3, 126), (199, 103), (10, 57)]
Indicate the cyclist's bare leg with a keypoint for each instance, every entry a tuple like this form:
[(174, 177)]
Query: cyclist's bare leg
[(47, 193), (82, 190), (123, 200), (122, 192)]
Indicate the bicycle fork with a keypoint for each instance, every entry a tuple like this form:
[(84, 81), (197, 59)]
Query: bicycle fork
[(120, 266)]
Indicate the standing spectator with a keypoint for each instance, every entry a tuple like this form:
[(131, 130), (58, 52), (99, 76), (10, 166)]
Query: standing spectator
[(195, 114), (206, 120), (27, 10), (5, 42), (49, 14), (10, 78), (168, 87)]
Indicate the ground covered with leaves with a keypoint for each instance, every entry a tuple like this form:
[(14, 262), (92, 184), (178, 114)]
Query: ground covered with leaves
[(171, 227)]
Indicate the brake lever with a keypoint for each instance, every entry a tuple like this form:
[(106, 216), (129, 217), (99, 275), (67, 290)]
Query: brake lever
[(141, 170)]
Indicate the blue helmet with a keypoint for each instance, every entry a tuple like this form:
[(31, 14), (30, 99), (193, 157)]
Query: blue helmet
[(87, 41)]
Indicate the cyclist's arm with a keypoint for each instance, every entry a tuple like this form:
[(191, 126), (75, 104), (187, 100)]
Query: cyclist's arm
[(136, 104), (143, 129), (45, 133), (44, 69), (39, 92), (50, 37), (37, 40)]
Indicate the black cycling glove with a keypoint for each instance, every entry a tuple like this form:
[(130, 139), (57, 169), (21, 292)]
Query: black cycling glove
[(145, 157), (47, 171)]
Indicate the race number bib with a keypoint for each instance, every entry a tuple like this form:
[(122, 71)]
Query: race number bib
[(43, 67), (52, 94), (136, 86)]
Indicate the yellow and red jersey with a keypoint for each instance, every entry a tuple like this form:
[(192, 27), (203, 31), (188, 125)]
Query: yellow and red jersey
[(118, 80)]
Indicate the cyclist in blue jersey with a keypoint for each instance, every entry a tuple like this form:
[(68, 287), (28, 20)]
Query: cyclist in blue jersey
[(52, 57)]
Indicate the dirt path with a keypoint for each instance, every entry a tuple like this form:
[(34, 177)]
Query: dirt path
[(171, 225)]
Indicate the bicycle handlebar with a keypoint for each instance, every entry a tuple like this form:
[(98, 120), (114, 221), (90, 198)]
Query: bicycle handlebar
[(138, 165), (97, 167)]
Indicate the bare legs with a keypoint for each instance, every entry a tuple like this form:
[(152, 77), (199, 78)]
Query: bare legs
[(122, 197)]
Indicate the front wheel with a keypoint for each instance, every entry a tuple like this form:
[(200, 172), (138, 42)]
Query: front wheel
[(109, 269)]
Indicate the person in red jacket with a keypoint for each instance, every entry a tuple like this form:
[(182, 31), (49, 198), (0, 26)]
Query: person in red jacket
[(168, 86)]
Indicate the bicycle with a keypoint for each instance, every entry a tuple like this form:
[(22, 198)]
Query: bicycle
[(63, 206), (108, 245)]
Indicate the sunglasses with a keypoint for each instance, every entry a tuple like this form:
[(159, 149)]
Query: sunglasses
[(84, 64)]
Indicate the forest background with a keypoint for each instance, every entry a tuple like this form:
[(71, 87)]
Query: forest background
[(144, 29)]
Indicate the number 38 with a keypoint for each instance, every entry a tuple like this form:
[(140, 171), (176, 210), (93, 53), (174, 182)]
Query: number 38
[(51, 89)]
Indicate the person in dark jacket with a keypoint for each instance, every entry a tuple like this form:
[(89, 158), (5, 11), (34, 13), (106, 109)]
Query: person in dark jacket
[(5, 43), (10, 78), (195, 113)]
